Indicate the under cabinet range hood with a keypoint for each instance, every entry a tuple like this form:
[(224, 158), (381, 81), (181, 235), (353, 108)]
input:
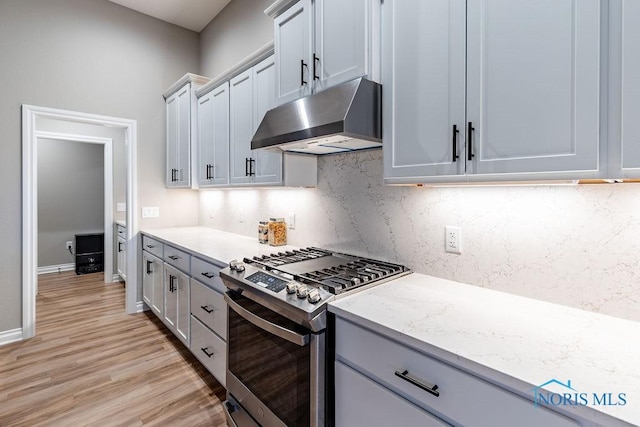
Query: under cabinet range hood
[(343, 118)]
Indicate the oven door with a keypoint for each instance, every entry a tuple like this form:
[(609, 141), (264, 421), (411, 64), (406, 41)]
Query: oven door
[(275, 367)]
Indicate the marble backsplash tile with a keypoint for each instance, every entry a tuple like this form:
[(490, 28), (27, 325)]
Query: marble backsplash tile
[(572, 245)]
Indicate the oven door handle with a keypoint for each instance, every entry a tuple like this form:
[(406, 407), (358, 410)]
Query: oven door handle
[(272, 328)]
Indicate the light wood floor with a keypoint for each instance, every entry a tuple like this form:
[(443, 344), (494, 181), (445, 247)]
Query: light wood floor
[(91, 364)]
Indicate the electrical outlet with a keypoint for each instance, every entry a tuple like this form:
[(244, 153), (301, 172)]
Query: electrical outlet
[(291, 220), (241, 215), (69, 245), (453, 239)]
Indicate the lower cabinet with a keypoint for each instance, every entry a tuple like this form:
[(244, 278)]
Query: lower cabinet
[(176, 297), (378, 365), (210, 349), (353, 390), (121, 251), (153, 282)]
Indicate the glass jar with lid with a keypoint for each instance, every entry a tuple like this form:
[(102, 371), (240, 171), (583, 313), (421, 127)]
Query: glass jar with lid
[(263, 232), (277, 232)]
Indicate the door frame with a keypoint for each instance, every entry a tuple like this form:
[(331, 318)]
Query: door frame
[(30, 114), (107, 144)]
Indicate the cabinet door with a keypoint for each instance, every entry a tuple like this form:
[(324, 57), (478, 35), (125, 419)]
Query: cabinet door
[(293, 46), (205, 140), (423, 76), (220, 168), (184, 137), (170, 297), (355, 394), (241, 127), (152, 277), (342, 35), (268, 164), (121, 259), (157, 301), (533, 85), (183, 315), (628, 165), (172, 140)]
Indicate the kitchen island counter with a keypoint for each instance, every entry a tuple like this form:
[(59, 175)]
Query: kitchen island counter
[(515, 342)]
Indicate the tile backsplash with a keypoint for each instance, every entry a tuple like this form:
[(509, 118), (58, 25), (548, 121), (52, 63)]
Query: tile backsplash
[(572, 245)]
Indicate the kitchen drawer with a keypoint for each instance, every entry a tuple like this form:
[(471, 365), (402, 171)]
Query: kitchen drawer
[(207, 273), (210, 349), (209, 307), (463, 398), (177, 258), (355, 394), (152, 246), (122, 231)]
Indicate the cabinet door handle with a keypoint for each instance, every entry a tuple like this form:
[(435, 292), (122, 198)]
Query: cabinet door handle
[(208, 275), (302, 80), (429, 388), (315, 60), (252, 163), (470, 154), (119, 246), (204, 350), (206, 308), (246, 166), (173, 175), (172, 286), (149, 267), (455, 142), (173, 257)]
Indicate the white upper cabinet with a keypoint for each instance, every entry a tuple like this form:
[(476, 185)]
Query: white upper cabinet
[(533, 86), (424, 88), (268, 164), (181, 104), (241, 127), (532, 90), (293, 45), (624, 56), (213, 137), (322, 43)]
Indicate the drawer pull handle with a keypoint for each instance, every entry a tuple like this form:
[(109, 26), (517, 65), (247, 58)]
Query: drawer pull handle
[(207, 309), (208, 275), (429, 388), (150, 246), (204, 350), (173, 257)]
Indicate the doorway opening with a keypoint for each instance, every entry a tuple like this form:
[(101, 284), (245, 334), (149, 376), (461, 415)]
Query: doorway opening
[(30, 136)]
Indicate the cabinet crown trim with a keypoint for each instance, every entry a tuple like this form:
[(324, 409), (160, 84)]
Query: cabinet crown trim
[(278, 7), (187, 78), (263, 53)]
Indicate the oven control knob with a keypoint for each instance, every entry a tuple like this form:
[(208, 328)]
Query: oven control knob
[(240, 267), (233, 265), (302, 291), (292, 287), (314, 296)]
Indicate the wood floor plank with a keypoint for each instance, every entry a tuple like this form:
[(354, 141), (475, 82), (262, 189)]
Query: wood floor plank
[(92, 364)]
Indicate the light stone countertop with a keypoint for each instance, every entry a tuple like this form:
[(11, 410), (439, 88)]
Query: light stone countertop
[(516, 342), (215, 246)]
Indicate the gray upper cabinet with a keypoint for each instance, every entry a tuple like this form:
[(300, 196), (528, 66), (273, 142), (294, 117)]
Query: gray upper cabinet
[(241, 127), (624, 56), (268, 164), (322, 43), (532, 90), (181, 131), (213, 137)]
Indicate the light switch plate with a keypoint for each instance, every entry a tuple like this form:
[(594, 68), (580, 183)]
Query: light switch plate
[(121, 207), (291, 220), (150, 212)]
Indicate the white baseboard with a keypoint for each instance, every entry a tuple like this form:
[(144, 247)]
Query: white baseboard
[(140, 307), (12, 335), (56, 268), (116, 278)]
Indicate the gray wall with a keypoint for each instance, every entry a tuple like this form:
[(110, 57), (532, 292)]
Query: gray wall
[(70, 196), (95, 57), (240, 29)]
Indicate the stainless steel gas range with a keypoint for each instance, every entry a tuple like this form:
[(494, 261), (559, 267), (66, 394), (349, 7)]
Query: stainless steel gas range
[(278, 330)]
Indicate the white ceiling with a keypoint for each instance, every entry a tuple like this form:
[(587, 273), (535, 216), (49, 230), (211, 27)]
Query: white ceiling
[(191, 14)]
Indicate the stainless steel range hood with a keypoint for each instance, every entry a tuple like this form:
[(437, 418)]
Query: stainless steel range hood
[(343, 118)]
